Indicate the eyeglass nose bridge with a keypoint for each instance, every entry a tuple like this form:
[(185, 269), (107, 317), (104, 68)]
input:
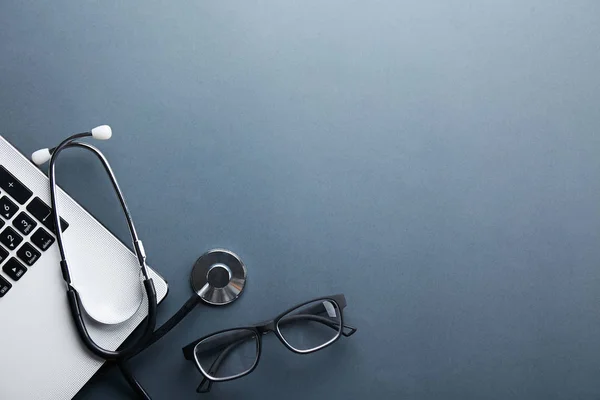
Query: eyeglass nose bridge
[(265, 327)]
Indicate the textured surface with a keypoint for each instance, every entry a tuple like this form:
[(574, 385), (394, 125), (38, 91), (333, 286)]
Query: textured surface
[(436, 161)]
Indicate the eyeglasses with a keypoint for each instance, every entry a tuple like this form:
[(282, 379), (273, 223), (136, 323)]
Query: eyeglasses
[(233, 353)]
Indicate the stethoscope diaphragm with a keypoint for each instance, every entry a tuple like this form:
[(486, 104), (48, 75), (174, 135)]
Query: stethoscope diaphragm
[(218, 277)]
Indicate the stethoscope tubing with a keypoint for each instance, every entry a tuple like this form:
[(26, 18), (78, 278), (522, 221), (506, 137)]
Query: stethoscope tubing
[(74, 299), (149, 335)]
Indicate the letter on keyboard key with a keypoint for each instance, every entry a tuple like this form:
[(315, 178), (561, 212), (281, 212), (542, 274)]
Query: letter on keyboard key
[(7, 208), (44, 214), (10, 238), (4, 286), (14, 269), (42, 239), (13, 187), (24, 223), (28, 254)]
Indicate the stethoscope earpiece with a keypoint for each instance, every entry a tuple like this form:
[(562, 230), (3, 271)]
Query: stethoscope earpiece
[(218, 277)]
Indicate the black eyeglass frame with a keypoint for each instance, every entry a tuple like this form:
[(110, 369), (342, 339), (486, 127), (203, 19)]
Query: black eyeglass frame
[(264, 328)]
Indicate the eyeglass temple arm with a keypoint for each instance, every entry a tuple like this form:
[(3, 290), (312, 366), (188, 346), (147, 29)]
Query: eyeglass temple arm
[(323, 320), (340, 299), (204, 386)]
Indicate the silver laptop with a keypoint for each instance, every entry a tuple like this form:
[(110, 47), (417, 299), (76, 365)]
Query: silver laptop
[(41, 354)]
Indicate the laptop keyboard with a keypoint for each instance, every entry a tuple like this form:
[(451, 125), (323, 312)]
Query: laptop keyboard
[(24, 235)]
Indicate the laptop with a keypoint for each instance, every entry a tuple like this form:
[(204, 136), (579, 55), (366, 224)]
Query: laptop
[(41, 356)]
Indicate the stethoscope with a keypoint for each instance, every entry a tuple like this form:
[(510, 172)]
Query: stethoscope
[(218, 276)]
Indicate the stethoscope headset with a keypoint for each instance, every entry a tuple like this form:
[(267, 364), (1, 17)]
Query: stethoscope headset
[(218, 276)]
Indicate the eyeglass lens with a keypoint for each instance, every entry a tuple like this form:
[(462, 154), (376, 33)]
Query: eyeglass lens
[(227, 354), (311, 326)]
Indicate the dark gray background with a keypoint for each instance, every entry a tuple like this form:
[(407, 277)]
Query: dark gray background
[(436, 161)]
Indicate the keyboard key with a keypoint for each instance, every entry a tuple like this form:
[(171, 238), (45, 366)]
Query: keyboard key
[(42, 239), (10, 238), (3, 254), (28, 254), (4, 286), (44, 214), (14, 269), (1, 223), (7, 207), (24, 223), (13, 187)]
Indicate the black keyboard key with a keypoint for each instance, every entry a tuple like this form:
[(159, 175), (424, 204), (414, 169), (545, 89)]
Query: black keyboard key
[(13, 187), (7, 207), (42, 239), (4, 286), (24, 223), (28, 254), (3, 254), (1, 223), (44, 214), (10, 238), (14, 269)]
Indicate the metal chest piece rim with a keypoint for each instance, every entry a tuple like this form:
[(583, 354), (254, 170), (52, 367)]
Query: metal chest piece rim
[(218, 277)]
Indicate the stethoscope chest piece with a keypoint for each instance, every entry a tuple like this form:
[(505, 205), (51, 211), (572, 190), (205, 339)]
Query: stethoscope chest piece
[(218, 277)]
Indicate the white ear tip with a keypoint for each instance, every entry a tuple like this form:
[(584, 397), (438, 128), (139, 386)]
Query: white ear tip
[(41, 156), (102, 132)]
